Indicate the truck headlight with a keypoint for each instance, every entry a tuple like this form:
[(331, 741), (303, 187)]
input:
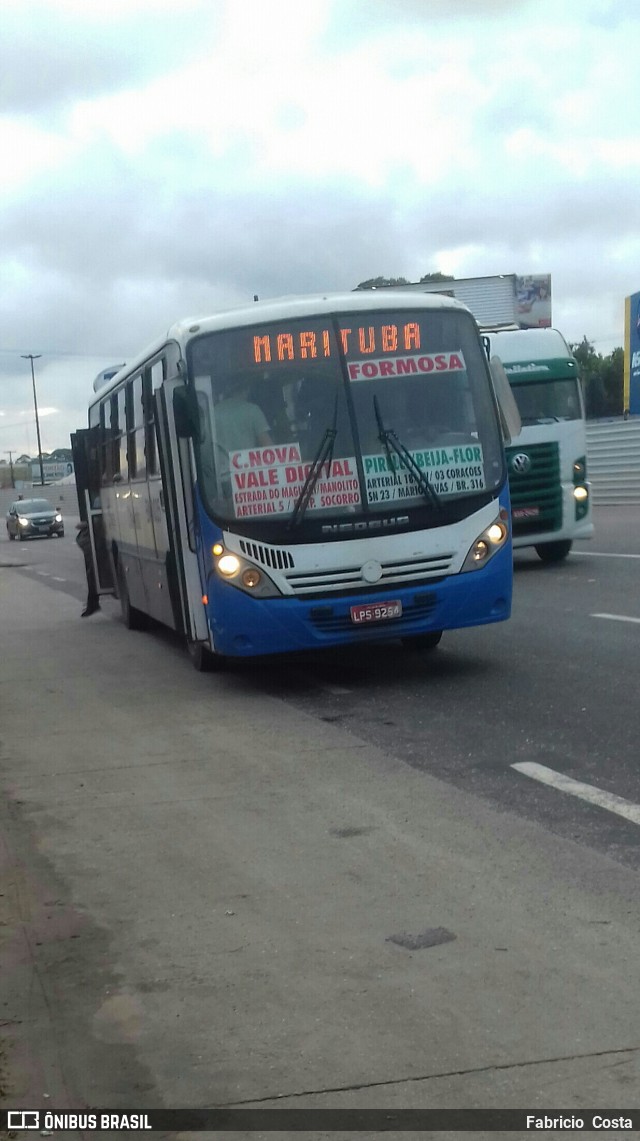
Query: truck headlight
[(491, 540)]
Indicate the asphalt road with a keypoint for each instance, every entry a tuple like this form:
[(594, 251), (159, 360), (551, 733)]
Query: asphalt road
[(556, 687), (321, 881)]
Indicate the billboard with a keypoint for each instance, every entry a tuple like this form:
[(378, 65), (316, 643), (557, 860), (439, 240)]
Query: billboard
[(533, 301), (632, 354), (52, 471)]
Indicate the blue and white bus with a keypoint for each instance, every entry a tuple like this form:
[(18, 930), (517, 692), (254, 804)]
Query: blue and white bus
[(304, 473)]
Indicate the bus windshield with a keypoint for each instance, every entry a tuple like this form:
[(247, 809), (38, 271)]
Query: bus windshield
[(348, 414)]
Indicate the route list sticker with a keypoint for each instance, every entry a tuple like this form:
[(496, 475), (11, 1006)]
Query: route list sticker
[(269, 481), (450, 471)]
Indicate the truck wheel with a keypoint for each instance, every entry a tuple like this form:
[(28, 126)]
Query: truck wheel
[(554, 552)]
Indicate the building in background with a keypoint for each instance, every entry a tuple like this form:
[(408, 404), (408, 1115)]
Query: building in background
[(632, 354), (502, 300)]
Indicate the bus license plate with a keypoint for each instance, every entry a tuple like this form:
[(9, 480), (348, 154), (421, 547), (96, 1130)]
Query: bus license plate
[(376, 612)]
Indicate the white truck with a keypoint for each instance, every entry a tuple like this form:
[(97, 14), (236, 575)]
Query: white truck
[(547, 461)]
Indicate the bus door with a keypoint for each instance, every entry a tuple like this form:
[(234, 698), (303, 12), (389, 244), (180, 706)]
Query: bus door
[(86, 458), (179, 511)]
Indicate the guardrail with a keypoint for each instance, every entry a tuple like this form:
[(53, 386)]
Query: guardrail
[(613, 453)]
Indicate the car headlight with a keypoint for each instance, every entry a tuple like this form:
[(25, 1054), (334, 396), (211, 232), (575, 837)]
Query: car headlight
[(238, 572), (488, 543), (22, 521), (58, 518)]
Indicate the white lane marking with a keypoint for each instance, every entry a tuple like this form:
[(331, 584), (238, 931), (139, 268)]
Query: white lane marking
[(596, 796), (605, 555), (45, 574), (616, 617), (56, 579)]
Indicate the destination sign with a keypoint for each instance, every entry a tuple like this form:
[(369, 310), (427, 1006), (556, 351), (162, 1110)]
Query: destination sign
[(319, 344)]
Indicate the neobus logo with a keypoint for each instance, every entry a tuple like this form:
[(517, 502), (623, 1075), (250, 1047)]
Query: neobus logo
[(369, 525)]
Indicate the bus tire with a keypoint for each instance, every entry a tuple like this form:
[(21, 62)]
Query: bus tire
[(554, 552), (423, 641), (133, 619), (202, 659)]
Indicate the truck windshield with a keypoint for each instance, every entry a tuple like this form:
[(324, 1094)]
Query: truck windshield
[(302, 414), (548, 400)]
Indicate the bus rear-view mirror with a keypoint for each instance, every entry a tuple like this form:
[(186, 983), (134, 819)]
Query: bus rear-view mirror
[(509, 414), (185, 413)]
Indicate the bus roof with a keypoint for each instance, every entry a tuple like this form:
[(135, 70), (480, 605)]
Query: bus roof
[(284, 308)]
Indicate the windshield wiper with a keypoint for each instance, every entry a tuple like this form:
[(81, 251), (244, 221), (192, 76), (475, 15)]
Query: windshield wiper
[(390, 442), (323, 456)]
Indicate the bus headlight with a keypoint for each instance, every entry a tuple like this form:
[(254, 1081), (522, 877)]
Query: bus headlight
[(228, 566), (487, 544), (238, 572), (580, 493)]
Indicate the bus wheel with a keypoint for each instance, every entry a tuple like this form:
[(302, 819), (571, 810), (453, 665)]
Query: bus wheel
[(202, 659), (423, 641), (554, 552), (133, 619)]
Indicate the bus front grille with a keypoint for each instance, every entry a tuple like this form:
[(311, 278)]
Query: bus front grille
[(350, 578), (273, 557), (536, 492)]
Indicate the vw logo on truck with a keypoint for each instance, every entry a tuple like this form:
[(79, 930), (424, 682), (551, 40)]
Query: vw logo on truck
[(521, 463)]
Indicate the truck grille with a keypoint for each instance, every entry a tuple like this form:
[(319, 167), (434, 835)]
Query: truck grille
[(537, 489)]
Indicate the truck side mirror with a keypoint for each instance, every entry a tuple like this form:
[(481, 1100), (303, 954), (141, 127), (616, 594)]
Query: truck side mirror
[(186, 413), (509, 414)]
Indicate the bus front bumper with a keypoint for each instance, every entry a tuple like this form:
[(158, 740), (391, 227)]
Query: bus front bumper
[(242, 626)]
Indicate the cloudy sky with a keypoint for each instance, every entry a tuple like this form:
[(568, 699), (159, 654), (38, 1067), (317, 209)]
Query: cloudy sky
[(167, 158)]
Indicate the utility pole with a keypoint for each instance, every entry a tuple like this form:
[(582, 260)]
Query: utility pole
[(10, 455), (34, 357)]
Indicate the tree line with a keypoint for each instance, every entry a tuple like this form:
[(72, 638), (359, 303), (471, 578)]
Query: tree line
[(602, 379)]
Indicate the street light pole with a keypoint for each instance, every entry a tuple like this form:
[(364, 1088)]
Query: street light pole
[(13, 481), (34, 357)]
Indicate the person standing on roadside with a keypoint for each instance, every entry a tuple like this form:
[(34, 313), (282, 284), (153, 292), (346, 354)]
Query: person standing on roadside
[(83, 539)]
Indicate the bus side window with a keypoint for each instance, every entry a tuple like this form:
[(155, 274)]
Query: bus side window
[(153, 379), (135, 428), (113, 459), (123, 398)]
